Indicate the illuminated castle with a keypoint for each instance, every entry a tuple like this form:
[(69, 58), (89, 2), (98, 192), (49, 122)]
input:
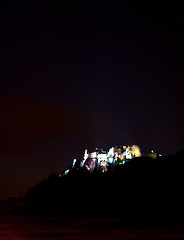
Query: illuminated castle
[(102, 159)]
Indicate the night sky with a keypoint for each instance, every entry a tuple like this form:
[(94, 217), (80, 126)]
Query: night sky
[(85, 76)]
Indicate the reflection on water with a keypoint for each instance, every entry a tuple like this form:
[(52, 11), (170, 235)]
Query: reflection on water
[(22, 228)]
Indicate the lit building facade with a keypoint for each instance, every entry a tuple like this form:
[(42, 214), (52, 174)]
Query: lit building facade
[(102, 159)]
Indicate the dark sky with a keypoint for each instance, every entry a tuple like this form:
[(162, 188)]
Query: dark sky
[(84, 76)]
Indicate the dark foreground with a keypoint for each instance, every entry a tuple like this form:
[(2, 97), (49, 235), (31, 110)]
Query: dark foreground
[(142, 188), (21, 228), (140, 200)]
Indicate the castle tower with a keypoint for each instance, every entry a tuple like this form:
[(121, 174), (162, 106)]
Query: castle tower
[(85, 154)]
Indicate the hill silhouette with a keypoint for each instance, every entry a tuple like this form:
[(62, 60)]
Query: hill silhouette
[(142, 187)]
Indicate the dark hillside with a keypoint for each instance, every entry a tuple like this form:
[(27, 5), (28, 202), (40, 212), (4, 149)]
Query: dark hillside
[(141, 187)]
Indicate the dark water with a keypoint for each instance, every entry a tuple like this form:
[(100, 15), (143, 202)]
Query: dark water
[(21, 228)]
